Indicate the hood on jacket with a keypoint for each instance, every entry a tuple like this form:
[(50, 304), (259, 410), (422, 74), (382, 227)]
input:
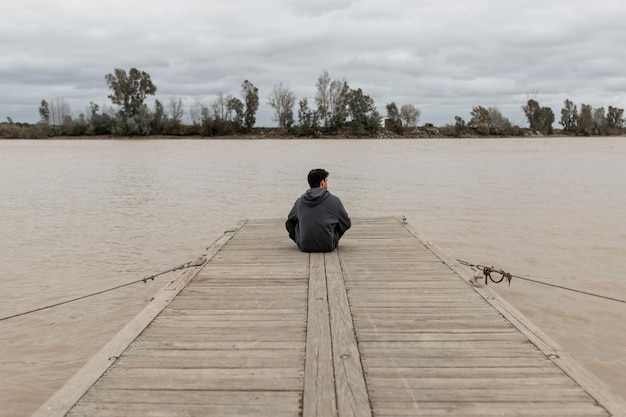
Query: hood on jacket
[(314, 196)]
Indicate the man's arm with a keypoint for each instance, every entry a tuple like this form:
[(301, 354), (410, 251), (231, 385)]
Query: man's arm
[(292, 221), (344, 220), (292, 217)]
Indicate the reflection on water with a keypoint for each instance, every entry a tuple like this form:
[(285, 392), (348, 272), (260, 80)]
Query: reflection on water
[(81, 216)]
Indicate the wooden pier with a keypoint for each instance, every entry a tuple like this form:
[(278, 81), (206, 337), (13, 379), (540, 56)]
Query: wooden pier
[(387, 325)]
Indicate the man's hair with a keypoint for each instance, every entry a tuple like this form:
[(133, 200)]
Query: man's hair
[(316, 176)]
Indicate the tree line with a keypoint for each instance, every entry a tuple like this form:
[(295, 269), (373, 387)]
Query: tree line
[(336, 110)]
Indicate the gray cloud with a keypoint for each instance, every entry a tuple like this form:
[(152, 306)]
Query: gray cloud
[(444, 57), (317, 8)]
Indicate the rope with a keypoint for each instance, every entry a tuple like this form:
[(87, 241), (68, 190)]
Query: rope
[(144, 280), (489, 270)]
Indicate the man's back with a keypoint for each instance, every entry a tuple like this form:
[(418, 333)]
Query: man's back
[(319, 219)]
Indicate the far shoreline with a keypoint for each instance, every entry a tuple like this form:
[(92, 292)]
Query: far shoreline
[(292, 137)]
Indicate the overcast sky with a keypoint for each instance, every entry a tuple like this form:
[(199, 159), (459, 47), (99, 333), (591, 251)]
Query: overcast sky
[(443, 56)]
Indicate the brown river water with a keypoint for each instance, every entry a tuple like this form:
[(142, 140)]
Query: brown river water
[(81, 216)]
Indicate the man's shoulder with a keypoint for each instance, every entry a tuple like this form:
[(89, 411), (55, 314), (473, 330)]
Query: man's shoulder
[(334, 201), (333, 196)]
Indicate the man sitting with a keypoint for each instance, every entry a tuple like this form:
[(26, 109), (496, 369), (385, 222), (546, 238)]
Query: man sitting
[(318, 219)]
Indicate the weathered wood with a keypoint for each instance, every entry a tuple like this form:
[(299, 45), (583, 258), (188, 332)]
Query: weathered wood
[(387, 325), (319, 381), (509, 335), (488, 408), (521, 395), (487, 371), (352, 396), (227, 358), (112, 409), (234, 379), (211, 344), (264, 398)]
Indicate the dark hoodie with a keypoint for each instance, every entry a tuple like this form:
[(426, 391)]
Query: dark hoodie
[(317, 221)]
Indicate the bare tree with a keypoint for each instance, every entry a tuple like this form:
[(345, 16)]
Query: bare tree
[(322, 98), (338, 100), (196, 112), (175, 110), (600, 125), (59, 112), (410, 115), (220, 107), (226, 109), (331, 100), (282, 101)]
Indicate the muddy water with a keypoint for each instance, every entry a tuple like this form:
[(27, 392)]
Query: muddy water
[(77, 217)]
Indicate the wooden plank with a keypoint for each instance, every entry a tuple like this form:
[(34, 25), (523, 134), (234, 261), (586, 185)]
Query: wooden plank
[(488, 346), (478, 371), (220, 397), (101, 402), (522, 395), (194, 359), (256, 336), (319, 383), (454, 362), (221, 325), (487, 409), (211, 344), (467, 354), (449, 315), (352, 396), (62, 400), (179, 410), (372, 324), (248, 305), (242, 315), (509, 335), (234, 314), (465, 380), (457, 352), (263, 379), (424, 307)]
